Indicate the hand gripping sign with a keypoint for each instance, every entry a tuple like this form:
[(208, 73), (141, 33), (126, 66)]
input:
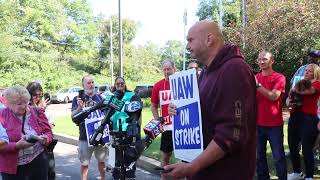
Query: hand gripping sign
[(187, 127)]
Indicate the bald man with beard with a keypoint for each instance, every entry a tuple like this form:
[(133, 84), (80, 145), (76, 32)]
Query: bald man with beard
[(227, 92)]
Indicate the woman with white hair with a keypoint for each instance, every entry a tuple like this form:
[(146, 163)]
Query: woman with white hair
[(28, 132)]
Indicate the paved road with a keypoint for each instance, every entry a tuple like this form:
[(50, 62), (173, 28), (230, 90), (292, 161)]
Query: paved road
[(59, 109), (68, 166)]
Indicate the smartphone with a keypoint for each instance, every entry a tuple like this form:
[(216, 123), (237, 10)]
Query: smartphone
[(46, 96), (81, 94), (161, 169), (32, 138)]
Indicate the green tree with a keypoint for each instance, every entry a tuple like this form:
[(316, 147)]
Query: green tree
[(208, 9), (173, 50), (287, 28)]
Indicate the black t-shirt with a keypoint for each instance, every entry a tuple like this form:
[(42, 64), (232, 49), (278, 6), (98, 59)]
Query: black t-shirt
[(89, 101)]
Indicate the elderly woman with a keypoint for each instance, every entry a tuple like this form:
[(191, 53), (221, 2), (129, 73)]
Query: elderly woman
[(302, 126), (26, 158)]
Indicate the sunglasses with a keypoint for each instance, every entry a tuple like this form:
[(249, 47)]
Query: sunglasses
[(120, 83), (37, 95)]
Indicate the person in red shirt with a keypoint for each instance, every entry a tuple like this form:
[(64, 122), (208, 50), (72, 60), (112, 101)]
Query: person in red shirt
[(302, 126), (270, 90), (161, 97)]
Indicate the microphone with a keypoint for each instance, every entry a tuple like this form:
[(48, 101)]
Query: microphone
[(152, 130), (80, 116), (114, 104), (154, 127)]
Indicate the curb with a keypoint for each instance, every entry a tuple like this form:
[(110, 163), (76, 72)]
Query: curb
[(143, 162)]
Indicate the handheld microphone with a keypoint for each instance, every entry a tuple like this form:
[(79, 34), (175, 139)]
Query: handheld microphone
[(154, 127), (152, 130), (113, 104)]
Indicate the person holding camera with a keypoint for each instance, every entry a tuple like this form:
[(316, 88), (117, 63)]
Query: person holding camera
[(29, 132), (36, 100), (270, 90), (302, 125), (88, 98), (129, 123)]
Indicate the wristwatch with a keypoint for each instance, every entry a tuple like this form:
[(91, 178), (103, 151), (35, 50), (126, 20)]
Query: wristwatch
[(258, 85)]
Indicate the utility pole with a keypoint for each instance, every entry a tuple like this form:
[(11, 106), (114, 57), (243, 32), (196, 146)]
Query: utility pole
[(120, 41), (220, 13), (111, 52), (244, 20), (184, 37)]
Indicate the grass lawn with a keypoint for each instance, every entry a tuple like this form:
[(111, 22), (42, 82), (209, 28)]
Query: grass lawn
[(66, 126)]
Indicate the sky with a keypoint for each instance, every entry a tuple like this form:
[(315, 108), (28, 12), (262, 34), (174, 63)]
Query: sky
[(160, 20)]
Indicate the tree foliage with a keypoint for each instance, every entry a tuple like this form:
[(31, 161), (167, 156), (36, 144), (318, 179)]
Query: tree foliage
[(173, 50), (209, 9), (287, 28)]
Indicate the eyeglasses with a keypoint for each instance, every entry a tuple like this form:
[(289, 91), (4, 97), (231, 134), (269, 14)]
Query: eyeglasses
[(120, 83), (262, 60), (37, 95)]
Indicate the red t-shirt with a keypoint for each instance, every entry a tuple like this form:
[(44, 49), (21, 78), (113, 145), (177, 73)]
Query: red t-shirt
[(270, 112), (161, 96), (310, 102)]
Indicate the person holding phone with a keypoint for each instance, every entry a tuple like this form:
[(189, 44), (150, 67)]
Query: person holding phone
[(38, 99), (27, 160), (86, 99)]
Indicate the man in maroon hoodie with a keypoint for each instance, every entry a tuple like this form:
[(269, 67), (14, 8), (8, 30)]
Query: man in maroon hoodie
[(227, 92)]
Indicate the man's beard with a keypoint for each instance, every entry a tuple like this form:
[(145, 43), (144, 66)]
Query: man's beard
[(89, 91)]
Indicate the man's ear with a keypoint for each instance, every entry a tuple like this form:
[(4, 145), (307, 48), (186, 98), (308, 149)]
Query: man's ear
[(210, 39)]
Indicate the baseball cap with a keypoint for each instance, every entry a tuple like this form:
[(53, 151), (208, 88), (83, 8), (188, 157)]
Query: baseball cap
[(314, 53)]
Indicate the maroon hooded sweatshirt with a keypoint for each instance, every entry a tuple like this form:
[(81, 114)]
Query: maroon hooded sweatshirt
[(227, 91)]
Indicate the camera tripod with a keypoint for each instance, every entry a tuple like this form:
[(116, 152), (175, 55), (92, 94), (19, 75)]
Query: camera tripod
[(122, 143)]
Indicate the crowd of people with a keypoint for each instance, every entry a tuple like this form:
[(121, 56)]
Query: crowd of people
[(241, 111)]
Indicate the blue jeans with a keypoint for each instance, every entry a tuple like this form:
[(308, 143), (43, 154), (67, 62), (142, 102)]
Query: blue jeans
[(275, 137), (302, 128)]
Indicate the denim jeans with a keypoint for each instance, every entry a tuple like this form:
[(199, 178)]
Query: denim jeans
[(275, 137), (302, 128)]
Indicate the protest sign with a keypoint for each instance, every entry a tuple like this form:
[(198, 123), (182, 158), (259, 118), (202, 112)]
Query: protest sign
[(187, 125), (92, 122)]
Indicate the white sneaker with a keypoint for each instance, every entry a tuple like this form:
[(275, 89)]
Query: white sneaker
[(295, 176)]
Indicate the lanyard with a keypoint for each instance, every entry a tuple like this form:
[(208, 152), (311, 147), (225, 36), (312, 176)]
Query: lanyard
[(23, 121)]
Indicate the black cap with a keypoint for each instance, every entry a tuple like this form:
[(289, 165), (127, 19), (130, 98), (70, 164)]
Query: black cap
[(314, 53)]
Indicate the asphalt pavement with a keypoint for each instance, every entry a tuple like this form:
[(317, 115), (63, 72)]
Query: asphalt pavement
[(68, 165)]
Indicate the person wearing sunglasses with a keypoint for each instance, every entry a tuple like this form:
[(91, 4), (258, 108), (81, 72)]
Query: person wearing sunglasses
[(37, 100), (127, 121)]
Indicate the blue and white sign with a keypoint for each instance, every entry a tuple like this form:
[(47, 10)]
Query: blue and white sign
[(187, 125), (92, 122)]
